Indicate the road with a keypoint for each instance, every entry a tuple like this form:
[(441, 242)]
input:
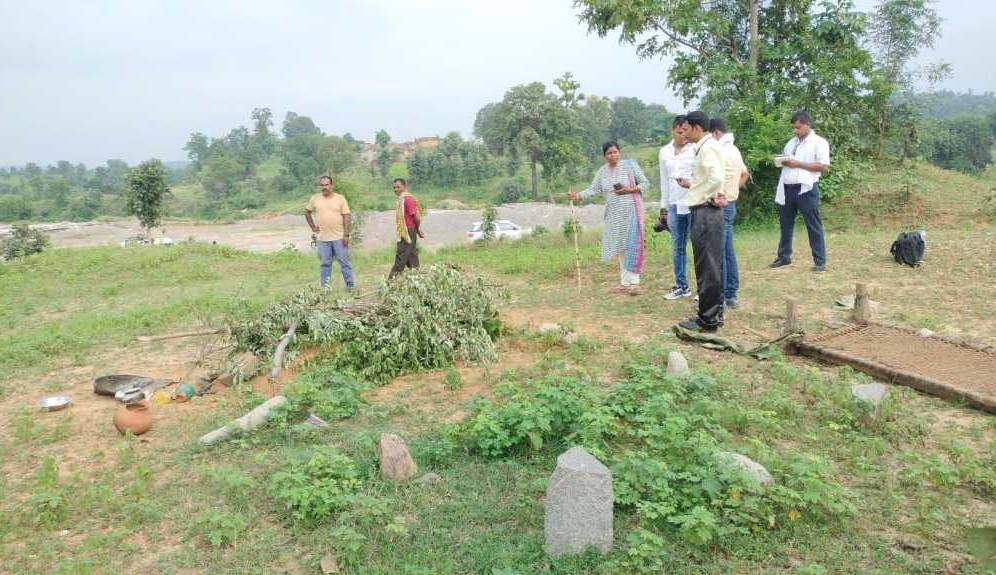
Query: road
[(442, 227)]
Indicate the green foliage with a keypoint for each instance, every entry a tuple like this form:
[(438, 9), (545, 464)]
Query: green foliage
[(539, 231), (661, 436), (452, 380), (328, 393), (23, 242), (147, 193), (423, 320), (454, 162), (964, 144), (537, 125), (316, 489), (219, 528), (15, 208), (511, 192), (570, 226), (489, 224), (48, 502)]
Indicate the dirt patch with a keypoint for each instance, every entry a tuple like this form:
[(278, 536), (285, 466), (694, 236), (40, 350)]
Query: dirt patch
[(427, 391)]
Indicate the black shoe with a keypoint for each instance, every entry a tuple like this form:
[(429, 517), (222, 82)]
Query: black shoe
[(779, 263), (693, 324), (819, 269)]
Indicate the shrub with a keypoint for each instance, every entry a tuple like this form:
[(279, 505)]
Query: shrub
[(511, 191), (568, 227), (24, 242), (15, 209), (315, 489)]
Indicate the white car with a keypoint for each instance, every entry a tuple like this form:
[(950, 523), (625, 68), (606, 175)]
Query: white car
[(503, 229)]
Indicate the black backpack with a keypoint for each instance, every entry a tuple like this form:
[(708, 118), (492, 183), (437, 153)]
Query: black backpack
[(908, 249)]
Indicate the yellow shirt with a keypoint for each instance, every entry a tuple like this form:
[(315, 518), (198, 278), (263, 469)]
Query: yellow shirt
[(709, 171), (734, 163), (330, 211)]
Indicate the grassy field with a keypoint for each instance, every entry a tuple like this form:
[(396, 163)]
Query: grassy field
[(892, 497)]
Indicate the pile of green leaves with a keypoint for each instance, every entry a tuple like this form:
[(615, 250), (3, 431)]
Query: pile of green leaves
[(23, 242), (423, 320), (315, 489), (661, 436)]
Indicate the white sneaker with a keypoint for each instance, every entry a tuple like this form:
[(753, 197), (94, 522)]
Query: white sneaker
[(677, 293)]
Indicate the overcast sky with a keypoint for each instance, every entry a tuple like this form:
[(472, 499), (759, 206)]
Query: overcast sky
[(131, 79)]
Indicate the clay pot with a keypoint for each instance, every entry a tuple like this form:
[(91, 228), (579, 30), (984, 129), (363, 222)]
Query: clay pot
[(134, 417)]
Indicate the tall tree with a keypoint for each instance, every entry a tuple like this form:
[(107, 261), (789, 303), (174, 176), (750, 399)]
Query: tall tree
[(628, 121), (198, 149), (899, 30), (262, 119), (295, 124), (595, 117), (489, 126), (147, 192), (386, 153), (537, 125)]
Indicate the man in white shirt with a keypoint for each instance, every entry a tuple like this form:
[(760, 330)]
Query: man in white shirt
[(736, 177), (676, 161), (804, 158)]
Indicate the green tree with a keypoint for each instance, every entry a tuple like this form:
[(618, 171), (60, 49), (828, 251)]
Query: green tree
[(899, 30), (386, 153), (810, 55), (629, 121), (147, 192), (595, 118), (264, 138), (221, 174), (539, 126), (490, 126), (295, 125), (198, 149), (964, 144)]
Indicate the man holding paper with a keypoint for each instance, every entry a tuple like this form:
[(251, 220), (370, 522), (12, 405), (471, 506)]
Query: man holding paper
[(804, 158)]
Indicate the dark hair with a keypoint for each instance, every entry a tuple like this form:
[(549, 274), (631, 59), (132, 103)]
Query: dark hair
[(610, 144), (698, 118), (802, 117), (329, 178), (678, 120), (400, 181), (717, 124)]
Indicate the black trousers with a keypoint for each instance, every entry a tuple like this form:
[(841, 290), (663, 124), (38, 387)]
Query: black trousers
[(405, 254), (808, 205), (707, 233)]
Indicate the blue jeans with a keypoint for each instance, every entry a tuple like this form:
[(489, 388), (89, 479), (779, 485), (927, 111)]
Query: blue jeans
[(679, 224), (328, 250), (808, 205), (731, 274)]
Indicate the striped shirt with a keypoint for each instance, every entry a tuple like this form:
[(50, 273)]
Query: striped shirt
[(618, 208)]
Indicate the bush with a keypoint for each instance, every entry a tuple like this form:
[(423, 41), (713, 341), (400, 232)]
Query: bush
[(24, 242), (511, 191), (315, 489), (15, 209), (568, 227), (539, 231)]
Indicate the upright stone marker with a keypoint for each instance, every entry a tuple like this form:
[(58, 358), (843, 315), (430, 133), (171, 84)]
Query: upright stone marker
[(578, 505)]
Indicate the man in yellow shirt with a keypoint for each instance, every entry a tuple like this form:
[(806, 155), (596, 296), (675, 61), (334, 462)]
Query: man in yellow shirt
[(333, 231), (706, 201)]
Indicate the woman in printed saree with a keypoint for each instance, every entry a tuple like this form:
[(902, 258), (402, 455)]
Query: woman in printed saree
[(622, 183)]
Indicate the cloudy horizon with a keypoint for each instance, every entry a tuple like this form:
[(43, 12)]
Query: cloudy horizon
[(133, 80)]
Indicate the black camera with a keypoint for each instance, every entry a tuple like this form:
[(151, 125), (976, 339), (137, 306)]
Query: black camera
[(660, 227)]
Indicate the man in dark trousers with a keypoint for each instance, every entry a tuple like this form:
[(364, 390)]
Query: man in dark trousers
[(408, 217), (706, 201), (804, 158)]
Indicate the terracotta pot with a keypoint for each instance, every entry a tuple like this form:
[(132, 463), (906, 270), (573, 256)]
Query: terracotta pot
[(134, 417)]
